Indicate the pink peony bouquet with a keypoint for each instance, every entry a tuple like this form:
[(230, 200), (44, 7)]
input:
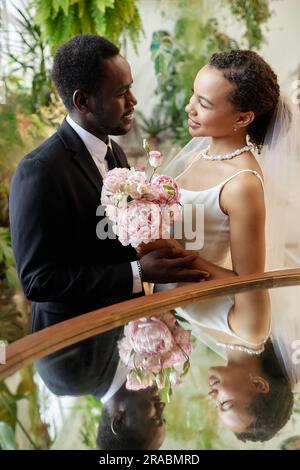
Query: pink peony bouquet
[(156, 351), (141, 208)]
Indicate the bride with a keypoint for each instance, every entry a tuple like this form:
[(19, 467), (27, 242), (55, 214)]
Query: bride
[(235, 112), (254, 390)]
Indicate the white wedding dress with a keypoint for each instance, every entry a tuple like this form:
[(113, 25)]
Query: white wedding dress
[(216, 230)]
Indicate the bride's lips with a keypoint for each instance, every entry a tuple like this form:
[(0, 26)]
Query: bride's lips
[(193, 124)]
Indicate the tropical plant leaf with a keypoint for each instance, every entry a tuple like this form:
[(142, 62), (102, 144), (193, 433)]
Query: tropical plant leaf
[(111, 18)]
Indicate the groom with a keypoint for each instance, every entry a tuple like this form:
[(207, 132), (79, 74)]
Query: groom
[(63, 267), (130, 419)]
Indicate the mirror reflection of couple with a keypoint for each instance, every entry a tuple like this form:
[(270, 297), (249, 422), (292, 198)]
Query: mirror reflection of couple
[(235, 110)]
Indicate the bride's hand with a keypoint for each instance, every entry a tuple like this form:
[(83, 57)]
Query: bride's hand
[(145, 248)]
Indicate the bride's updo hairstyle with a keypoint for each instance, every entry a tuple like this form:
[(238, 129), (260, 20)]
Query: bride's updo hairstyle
[(255, 88), (271, 411)]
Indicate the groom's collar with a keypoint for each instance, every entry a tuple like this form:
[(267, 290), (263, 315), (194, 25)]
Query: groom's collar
[(73, 136), (95, 146)]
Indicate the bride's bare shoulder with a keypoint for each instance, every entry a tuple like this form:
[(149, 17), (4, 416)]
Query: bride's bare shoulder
[(244, 190)]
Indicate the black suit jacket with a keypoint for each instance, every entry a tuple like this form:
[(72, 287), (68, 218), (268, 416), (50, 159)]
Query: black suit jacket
[(63, 267), (84, 368)]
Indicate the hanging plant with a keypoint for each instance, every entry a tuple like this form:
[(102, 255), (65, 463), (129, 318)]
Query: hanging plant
[(254, 13), (60, 20)]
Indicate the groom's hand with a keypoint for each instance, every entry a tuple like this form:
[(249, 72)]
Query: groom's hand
[(170, 265)]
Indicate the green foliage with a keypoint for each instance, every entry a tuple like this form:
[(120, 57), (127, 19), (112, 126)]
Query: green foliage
[(178, 56), (38, 429), (7, 437), (91, 408), (7, 263), (177, 60), (254, 13), (62, 19), (151, 127), (196, 423), (4, 189), (9, 142), (37, 434), (32, 64), (297, 404), (12, 324)]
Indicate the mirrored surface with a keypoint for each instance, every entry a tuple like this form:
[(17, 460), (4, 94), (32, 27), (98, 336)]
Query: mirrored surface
[(240, 392)]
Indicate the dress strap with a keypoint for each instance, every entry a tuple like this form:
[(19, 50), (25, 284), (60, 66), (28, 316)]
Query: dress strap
[(243, 171)]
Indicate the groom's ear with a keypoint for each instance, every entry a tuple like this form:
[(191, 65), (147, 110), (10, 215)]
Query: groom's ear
[(245, 119), (118, 422), (81, 101)]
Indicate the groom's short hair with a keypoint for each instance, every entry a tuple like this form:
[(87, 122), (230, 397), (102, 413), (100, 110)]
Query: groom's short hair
[(78, 64)]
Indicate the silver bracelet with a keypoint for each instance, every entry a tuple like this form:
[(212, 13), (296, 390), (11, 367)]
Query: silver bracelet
[(140, 270)]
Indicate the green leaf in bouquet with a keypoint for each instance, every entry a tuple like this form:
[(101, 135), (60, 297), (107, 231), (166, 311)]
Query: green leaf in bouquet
[(180, 318), (165, 392), (186, 367), (193, 340), (139, 375)]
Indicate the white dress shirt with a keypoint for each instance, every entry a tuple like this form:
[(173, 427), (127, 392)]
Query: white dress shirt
[(118, 380), (97, 148)]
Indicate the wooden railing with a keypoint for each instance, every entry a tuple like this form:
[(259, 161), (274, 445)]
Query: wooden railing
[(53, 338)]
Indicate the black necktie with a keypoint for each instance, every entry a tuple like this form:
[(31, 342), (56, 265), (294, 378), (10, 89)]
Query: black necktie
[(110, 159)]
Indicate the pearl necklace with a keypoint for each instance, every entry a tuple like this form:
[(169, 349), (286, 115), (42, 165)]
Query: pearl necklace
[(238, 347), (227, 156)]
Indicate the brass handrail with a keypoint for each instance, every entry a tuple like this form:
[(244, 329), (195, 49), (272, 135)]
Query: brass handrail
[(53, 338)]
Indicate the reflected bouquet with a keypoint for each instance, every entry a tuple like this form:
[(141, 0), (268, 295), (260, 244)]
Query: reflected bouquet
[(156, 351), (141, 208)]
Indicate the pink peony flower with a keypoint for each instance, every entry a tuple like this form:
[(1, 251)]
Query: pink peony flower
[(155, 158), (134, 382), (169, 189), (137, 180), (182, 338), (173, 358), (169, 319), (152, 337), (141, 210), (112, 212), (152, 345), (138, 222), (115, 179)]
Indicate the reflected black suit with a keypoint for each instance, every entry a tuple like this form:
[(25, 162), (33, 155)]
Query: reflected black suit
[(85, 368)]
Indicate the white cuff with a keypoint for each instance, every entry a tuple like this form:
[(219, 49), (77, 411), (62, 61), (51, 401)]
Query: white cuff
[(137, 285)]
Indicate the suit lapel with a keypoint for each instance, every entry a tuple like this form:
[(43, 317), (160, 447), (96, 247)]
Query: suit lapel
[(81, 156), (85, 161)]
